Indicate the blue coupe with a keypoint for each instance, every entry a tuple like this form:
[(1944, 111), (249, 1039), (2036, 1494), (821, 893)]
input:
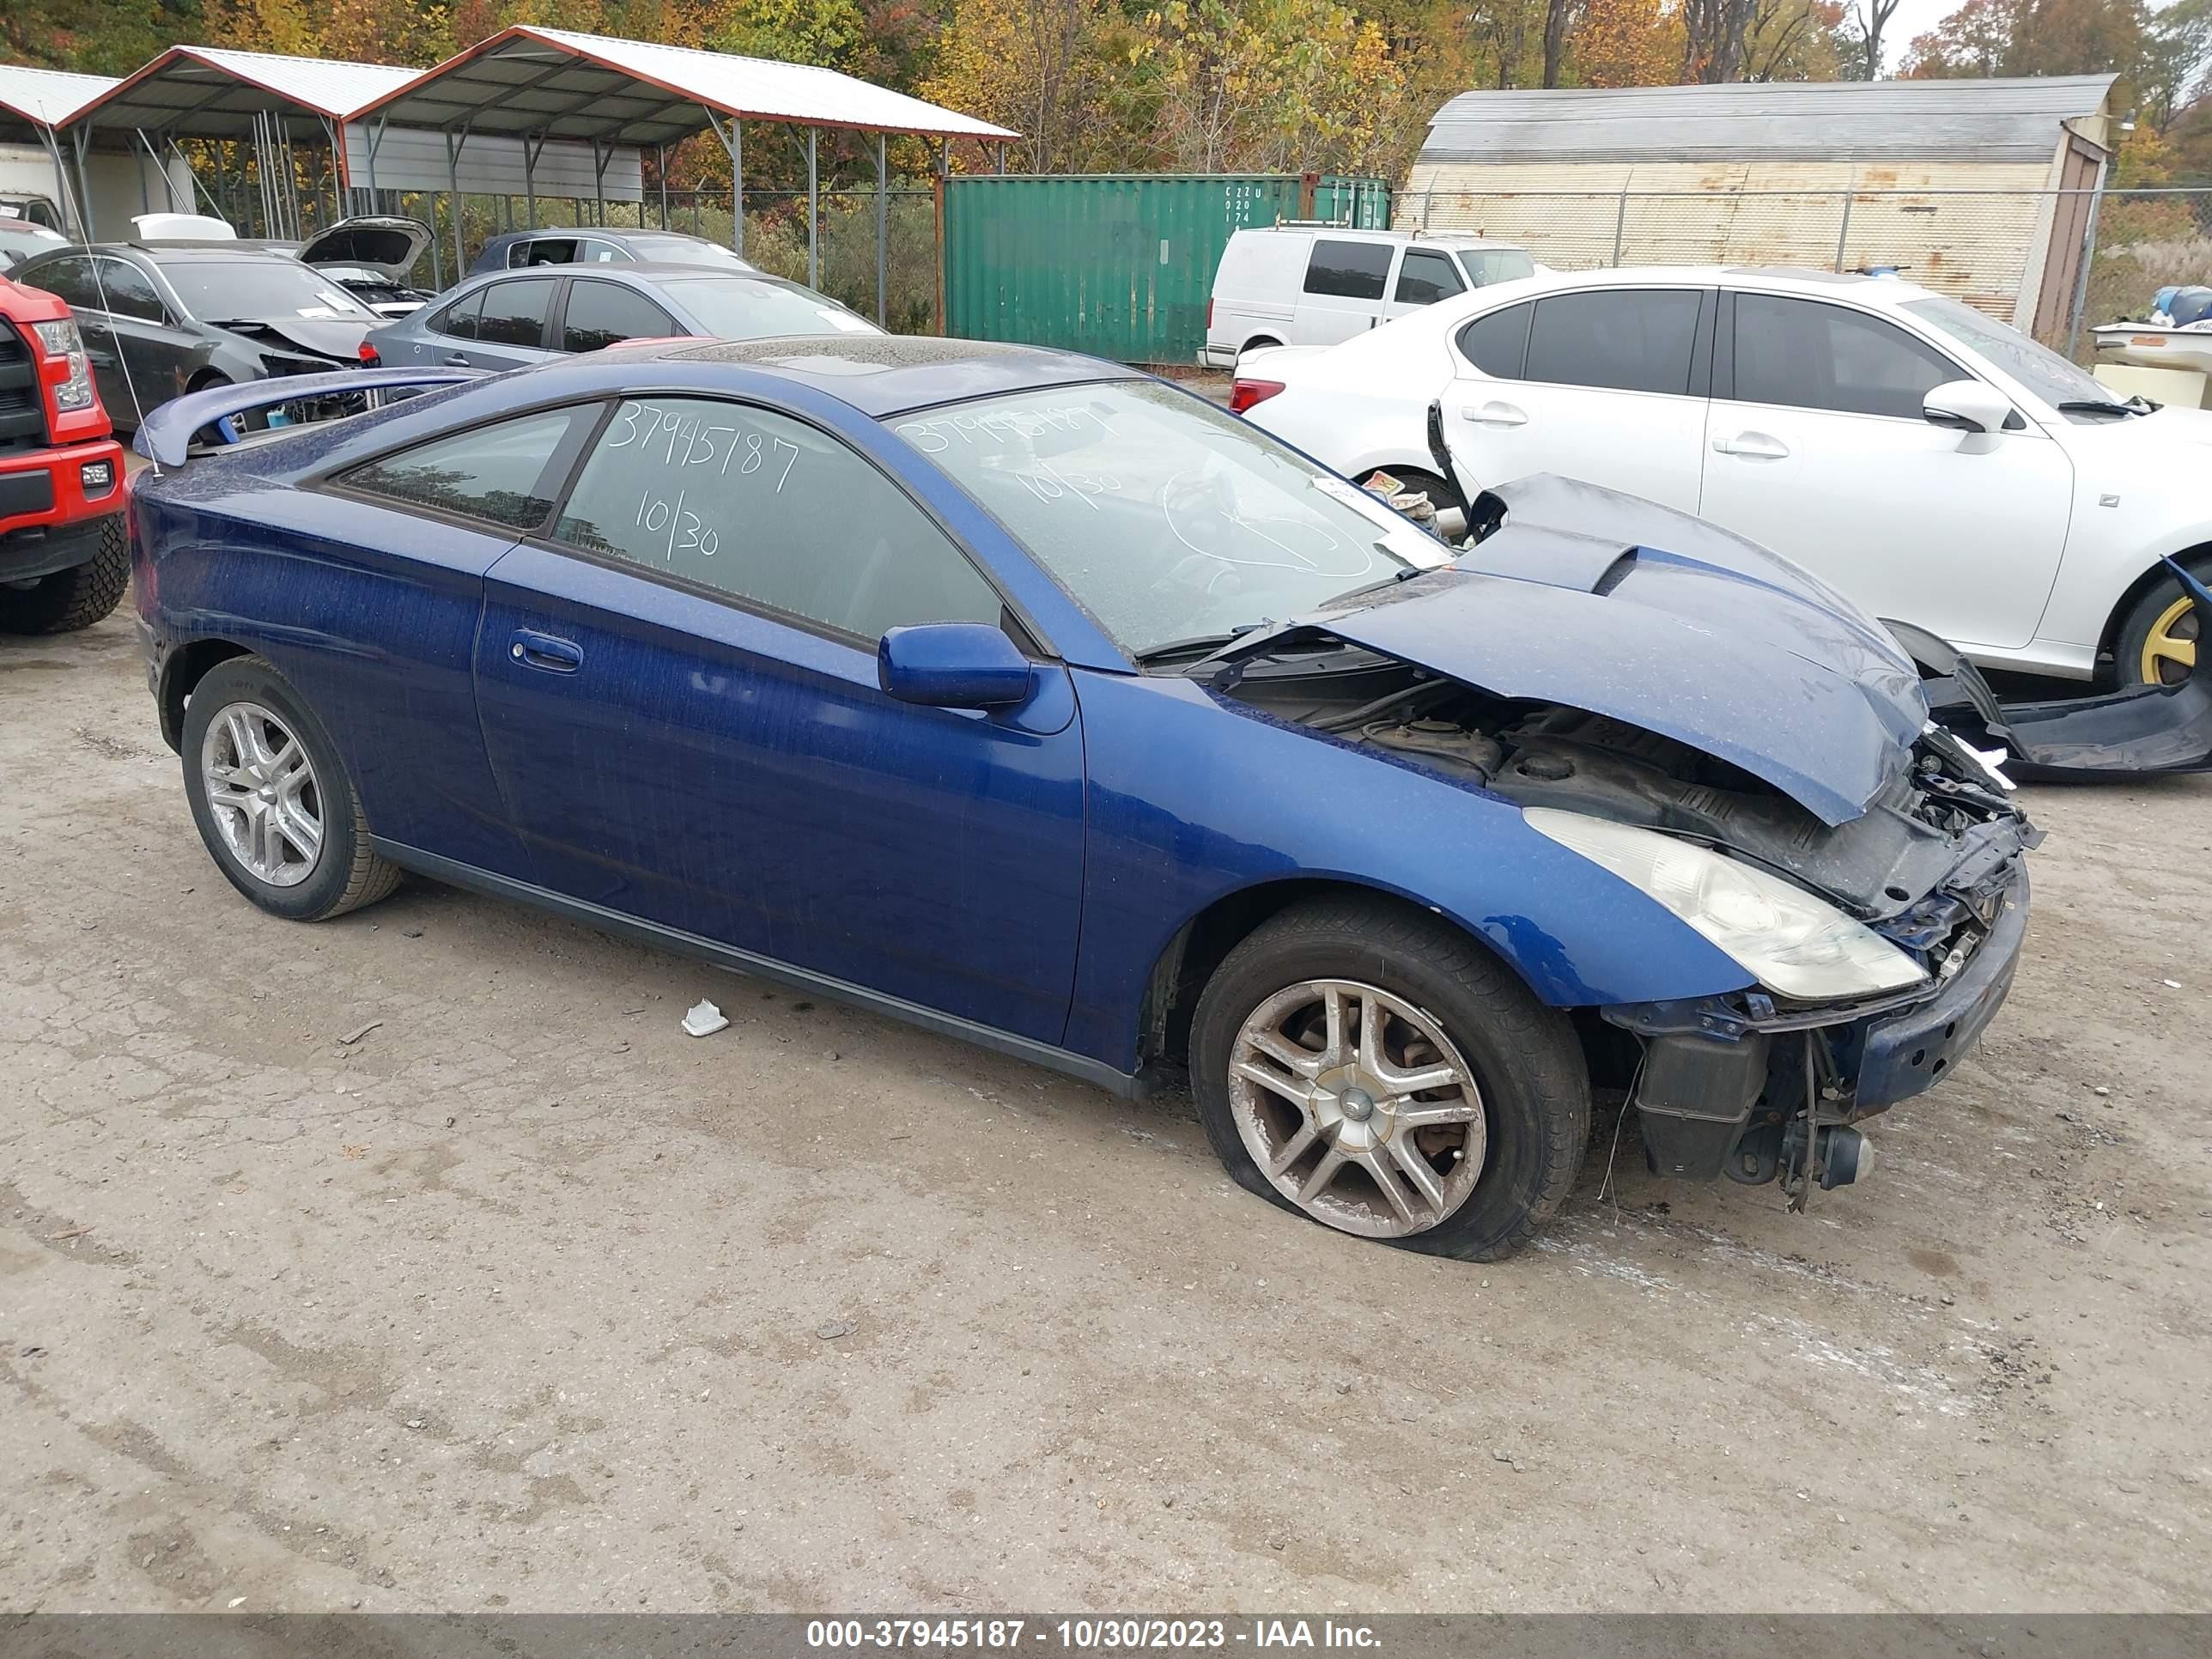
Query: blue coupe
[(1036, 701)]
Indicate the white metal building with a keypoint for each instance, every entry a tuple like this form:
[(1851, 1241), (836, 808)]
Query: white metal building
[(1982, 189)]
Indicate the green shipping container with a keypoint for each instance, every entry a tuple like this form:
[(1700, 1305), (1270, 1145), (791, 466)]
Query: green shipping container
[(1120, 266)]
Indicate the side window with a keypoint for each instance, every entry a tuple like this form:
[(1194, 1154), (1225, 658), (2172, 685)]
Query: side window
[(1809, 355), (514, 312), (130, 292), (1499, 343), (732, 498), (497, 473), (543, 251), (600, 314), (590, 253), (1624, 339), (459, 320), (1426, 278), (68, 280), (1350, 270)]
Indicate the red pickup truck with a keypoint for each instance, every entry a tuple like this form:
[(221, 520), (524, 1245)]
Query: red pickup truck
[(65, 560)]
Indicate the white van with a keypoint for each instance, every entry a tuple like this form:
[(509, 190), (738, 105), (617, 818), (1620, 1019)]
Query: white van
[(1318, 285)]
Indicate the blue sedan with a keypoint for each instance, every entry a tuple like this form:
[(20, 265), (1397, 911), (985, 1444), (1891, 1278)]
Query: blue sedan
[(1035, 701), (511, 319)]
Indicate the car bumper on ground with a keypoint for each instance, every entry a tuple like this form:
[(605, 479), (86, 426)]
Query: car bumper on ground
[(54, 504)]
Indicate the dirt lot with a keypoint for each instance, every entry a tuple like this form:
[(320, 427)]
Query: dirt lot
[(523, 1299)]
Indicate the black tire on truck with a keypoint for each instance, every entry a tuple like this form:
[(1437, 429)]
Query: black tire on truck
[(67, 600)]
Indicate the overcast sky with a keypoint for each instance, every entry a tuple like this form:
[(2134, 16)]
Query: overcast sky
[(1913, 17)]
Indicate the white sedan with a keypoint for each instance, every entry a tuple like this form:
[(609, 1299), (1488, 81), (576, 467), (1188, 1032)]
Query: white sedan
[(1938, 467)]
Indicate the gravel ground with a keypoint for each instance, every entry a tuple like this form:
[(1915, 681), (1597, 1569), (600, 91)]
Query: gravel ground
[(418, 1260)]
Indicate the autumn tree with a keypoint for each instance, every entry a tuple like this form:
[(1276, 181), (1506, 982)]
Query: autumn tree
[(1050, 69), (1626, 43), (1269, 86), (1713, 32)]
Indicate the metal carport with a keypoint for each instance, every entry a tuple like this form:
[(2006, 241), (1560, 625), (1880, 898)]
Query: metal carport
[(212, 92), (34, 104), (538, 85)]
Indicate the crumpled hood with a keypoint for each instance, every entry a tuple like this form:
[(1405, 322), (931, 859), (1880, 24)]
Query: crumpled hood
[(337, 339), (1608, 602)]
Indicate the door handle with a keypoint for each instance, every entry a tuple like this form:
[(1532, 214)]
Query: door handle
[(454, 359), (1495, 414), (1752, 445), (535, 650)]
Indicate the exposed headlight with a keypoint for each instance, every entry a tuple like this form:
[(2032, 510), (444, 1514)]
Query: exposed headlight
[(1795, 945), (62, 340)]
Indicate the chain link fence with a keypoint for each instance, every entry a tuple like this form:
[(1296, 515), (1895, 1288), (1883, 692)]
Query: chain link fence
[(775, 236), (2056, 263)]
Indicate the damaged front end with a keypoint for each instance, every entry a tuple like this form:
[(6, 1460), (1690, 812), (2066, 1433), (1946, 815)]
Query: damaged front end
[(1728, 729)]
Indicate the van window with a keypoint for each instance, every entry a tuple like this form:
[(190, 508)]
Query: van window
[(1426, 278), (1497, 264), (1349, 270)]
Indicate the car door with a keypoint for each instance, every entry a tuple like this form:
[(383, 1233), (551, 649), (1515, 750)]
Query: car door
[(153, 338), (596, 314), (514, 323), (1426, 276), (1817, 447), (394, 551), (1342, 293), (679, 692), (1605, 384)]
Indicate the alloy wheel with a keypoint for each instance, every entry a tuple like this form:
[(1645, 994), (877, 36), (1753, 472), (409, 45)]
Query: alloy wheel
[(2170, 649), (1357, 1107), (262, 793)]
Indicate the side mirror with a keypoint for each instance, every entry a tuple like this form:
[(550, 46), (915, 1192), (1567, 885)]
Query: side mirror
[(952, 665), (1966, 406)]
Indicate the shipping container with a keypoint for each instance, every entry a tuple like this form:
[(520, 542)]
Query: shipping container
[(1119, 266)]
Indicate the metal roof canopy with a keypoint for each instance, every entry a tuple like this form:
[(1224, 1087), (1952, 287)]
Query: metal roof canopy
[(209, 92), (559, 84), (543, 84), (34, 102), (2017, 121)]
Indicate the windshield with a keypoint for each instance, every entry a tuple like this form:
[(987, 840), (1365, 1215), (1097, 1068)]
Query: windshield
[(1167, 520), (256, 290), (2039, 369), (1487, 265), (684, 251), (734, 308)]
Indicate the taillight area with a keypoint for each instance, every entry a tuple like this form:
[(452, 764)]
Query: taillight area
[(369, 357), (1209, 313), (1243, 393)]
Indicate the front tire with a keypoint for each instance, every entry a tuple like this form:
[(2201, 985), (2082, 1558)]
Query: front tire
[(2161, 635), (1377, 1071), (72, 599), (272, 798)]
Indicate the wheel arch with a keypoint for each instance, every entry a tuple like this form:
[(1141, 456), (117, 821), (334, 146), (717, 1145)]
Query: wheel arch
[(181, 670), (2197, 557), (1189, 959)]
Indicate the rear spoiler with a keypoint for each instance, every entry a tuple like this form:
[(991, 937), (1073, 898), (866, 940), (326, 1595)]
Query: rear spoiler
[(165, 437)]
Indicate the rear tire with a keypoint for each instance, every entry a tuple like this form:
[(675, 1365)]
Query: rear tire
[(272, 798), (74, 599), (1440, 1003)]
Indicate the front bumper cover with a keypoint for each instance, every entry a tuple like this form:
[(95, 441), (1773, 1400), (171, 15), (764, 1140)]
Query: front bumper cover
[(1717, 1067)]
